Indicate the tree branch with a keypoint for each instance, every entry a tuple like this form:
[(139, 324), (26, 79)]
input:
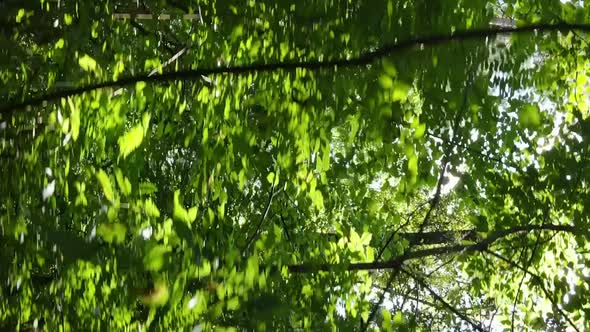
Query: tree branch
[(363, 59), (397, 262)]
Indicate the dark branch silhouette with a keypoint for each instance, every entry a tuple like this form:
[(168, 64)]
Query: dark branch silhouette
[(363, 59), (397, 262)]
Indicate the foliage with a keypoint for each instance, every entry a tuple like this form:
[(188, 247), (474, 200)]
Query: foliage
[(341, 165)]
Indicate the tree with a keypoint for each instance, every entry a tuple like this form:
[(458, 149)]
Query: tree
[(278, 166)]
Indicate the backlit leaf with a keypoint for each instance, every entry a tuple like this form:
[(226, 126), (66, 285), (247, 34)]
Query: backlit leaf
[(130, 140), (87, 63), (105, 183)]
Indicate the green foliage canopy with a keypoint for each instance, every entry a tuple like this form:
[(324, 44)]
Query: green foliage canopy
[(341, 165)]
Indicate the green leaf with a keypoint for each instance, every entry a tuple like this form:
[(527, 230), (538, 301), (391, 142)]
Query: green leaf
[(242, 179), (386, 315), (317, 199), (365, 315), (389, 68), (204, 270), (74, 119), (156, 297), (81, 198), (211, 215), (20, 15), (398, 319), (147, 188), (233, 303), (123, 182), (386, 81), (112, 232), (192, 214), (365, 239), (154, 259), (420, 130), (145, 122), (270, 177), (151, 209), (284, 49), (181, 213), (105, 183), (400, 91), (251, 271), (139, 86), (354, 238), (530, 116), (178, 289), (413, 165), (130, 141), (307, 290), (87, 63), (237, 32), (67, 19)]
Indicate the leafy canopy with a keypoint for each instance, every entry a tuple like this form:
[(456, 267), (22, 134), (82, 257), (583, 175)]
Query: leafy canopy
[(342, 165)]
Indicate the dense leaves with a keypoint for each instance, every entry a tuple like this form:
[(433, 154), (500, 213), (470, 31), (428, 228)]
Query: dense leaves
[(341, 165)]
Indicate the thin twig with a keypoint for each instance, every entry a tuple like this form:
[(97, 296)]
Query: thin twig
[(390, 238), (270, 197), (527, 264), (548, 295), (405, 296), (442, 301), (497, 307), (285, 229), (365, 326)]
